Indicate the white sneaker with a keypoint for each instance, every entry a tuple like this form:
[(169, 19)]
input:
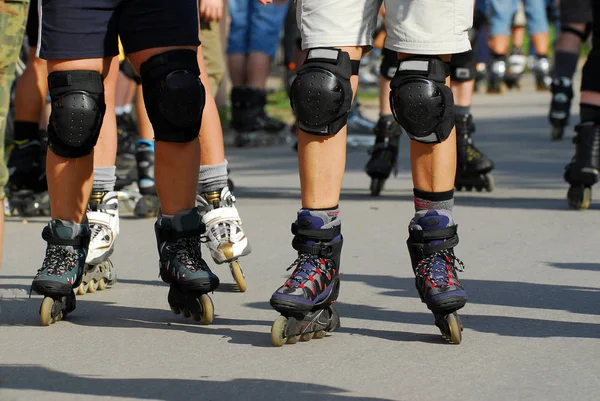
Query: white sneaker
[(224, 235), (104, 226)]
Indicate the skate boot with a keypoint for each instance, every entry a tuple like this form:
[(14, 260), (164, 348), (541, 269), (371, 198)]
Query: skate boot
[(543, 79), (249, 118), (515, 68), (582, 172), (224, 235), (481, 74), (149, 203), (103, 217), (62, 268), (496, 74), (431, 242), (472, 167), (562, 93), (27, 188), (182, 266), (384, 155), (305, 300)]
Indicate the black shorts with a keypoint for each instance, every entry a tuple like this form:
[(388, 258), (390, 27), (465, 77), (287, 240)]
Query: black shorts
[(32, 28), (575, 12), (79, 29)]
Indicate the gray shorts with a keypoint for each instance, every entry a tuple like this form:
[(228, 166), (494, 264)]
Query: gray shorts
[(431, 27)]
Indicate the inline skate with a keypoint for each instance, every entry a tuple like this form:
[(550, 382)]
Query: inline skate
[(516, 64), (62, 269), (103, 217), (582, 172), (543, 79), (384, 155), (496, 74), (472, 167), (562, 93), (224, 235), (182, 267), (148, 204), (431, 242), (305, 300)]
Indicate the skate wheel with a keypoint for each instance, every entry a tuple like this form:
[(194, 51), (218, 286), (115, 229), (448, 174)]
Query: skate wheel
[(293, 340), (320, 334), (208, 309), (46, 312), (557, 133), (376, 186), (490, 184), (468, 188), (278, 331), (306, 336), (238, 275), (82, 289), (579, 197), (175, 310), (186, 313), (92, 286), (102, 284), (455, 328)]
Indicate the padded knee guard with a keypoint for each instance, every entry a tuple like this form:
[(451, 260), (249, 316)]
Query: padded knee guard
[(463, 66), (174, 95), (421, 102), (77, 111), (582, 35), (321, 94), (590, 80), (389, 64)]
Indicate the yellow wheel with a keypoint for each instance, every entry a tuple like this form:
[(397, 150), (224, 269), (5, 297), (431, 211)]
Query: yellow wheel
[(307, 336), (82, 289), (102, 284), (92, 286), (293, 339), (187, 313), (455, 328), (175, 310), (238, 275), (278, 331), (208, 309), (46, 311), (320, 334)]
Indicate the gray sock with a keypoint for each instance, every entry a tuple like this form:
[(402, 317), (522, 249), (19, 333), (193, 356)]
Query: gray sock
[(329, 217), (565, 64), (104, 179), (433, 200), (212, 178)]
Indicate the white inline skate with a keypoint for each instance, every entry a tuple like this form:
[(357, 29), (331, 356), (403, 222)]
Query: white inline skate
[(103, 216), (224, 235)]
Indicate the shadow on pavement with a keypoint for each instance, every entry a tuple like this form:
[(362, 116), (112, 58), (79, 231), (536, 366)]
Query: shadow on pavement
[(38, 378), (577, 266)]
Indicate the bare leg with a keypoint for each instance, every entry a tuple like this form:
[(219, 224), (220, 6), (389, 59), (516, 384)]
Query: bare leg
[(31, 90), (212, 149), (105, 152)]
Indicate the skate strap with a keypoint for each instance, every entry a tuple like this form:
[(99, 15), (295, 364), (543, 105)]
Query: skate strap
[(78, 242), (318, 234), (170, 235), (421, 236), (320, 249)]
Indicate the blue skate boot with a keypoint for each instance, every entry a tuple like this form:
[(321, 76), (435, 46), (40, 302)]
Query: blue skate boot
[(182, 266), (62, 269), (305, 299), (431, 242)]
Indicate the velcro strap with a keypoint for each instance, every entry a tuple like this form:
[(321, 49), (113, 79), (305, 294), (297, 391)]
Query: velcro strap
[(318, 234), (427, 66), (423, 236), (331, 55), (60, 79), (322, 249)]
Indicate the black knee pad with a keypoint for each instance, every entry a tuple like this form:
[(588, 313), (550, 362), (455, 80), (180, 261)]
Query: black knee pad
[(389, 63), (174, 95), (462, 66), (590, 80), (77, 111), (126, 68), (421, 102), (321, 94)]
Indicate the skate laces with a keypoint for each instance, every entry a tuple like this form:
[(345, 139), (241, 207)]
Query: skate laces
[(306, 266), (58, 260), (439, 269), (187, 252)]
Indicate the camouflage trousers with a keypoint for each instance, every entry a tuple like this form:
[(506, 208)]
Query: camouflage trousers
[(13, 16)]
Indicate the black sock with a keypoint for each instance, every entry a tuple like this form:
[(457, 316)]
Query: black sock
[(589, 113), (25, 130)]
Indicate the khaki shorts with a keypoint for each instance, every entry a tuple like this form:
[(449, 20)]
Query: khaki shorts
[(413, 26)]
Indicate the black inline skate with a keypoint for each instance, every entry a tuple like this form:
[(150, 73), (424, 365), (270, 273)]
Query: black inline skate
[(431, 242), (305, 300), (384, 155), (62, 269), (582, 172), (148, 204), (27, 188), (472, 167), (516, 64), (496, 74), (562, 93), (182, 266)]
